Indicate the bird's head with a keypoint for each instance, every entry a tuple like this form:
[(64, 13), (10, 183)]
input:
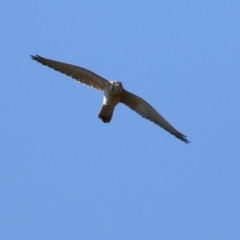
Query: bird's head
[(116, 86)]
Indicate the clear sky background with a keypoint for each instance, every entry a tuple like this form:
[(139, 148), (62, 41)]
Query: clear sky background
[(66, 175)]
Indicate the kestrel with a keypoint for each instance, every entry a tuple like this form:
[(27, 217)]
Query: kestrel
[(114, 93)]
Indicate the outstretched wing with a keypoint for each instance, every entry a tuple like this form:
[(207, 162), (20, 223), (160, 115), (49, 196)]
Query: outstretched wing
[(80, 74), (147, 111)]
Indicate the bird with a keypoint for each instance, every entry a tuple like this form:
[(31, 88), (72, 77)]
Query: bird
[(113, 93)]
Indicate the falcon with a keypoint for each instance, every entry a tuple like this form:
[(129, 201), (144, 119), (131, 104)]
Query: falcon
[(113, 93)]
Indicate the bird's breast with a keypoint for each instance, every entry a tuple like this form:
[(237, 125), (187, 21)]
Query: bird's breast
[(111, 99)]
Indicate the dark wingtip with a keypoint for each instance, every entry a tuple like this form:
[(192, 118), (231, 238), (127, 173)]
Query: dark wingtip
[(183, 138), (35, 57), (186, 141)]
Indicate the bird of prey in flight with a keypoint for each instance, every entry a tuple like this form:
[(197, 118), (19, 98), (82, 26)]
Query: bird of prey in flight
[(114, 93)]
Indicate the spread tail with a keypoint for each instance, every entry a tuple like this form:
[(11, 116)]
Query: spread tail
[(106, 113)]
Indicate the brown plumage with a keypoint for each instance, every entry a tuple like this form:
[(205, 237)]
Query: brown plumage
[(114, 93)]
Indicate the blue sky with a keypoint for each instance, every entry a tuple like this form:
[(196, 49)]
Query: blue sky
[(66, 175)]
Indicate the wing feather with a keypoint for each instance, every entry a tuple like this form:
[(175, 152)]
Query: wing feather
[(78, 73), (147, 111)]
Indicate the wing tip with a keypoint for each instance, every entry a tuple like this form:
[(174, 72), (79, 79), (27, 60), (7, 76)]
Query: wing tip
[(36, 57), (182, 137)]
